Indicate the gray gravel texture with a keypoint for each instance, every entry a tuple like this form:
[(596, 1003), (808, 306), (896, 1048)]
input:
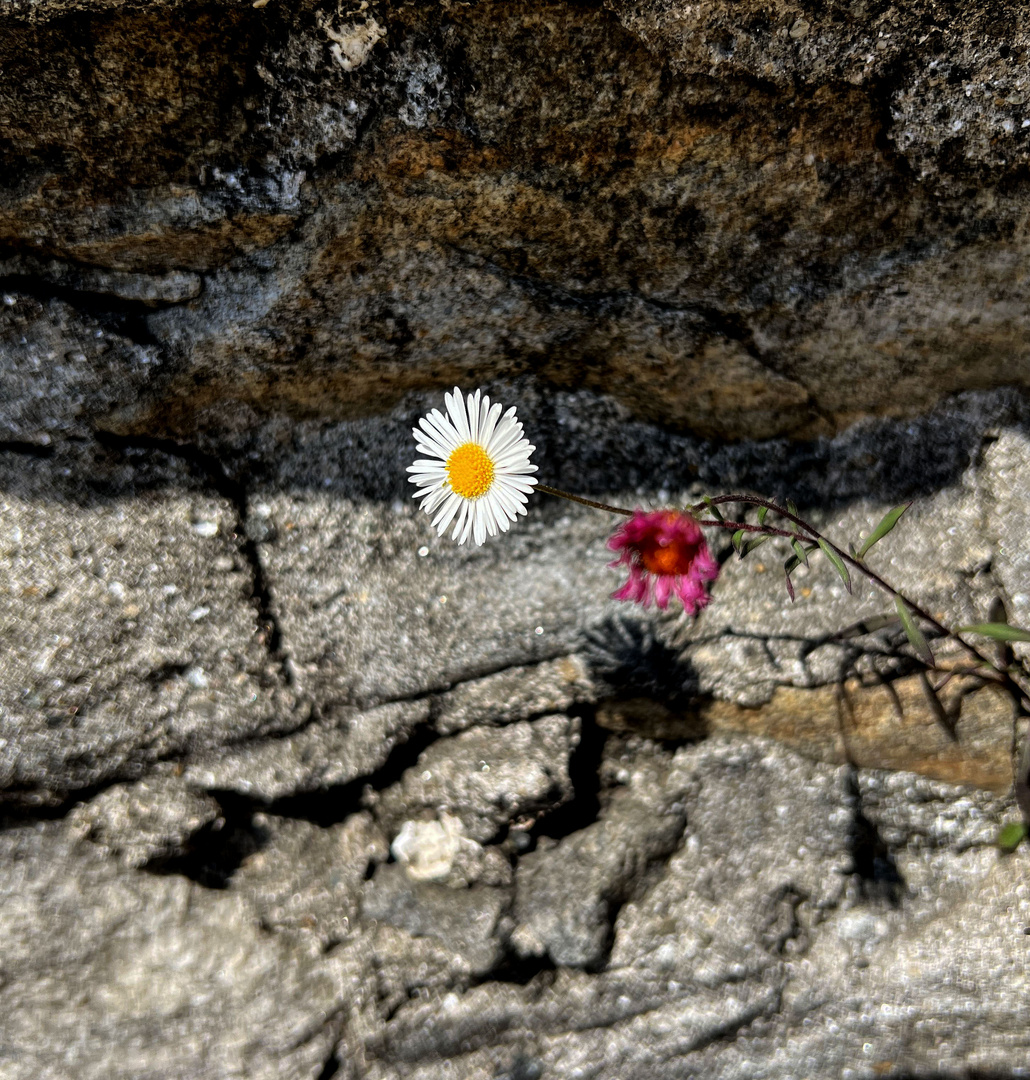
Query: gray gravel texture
[(404, 861)]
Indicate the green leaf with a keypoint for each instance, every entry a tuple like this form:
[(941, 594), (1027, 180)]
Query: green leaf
[(887, 522), (762, 511), (998, 630), (852, 552), (838, 563), (1011, 836), (737, 541), (789, 567), (749, 545), (940, 714), (714, 509), (915, 635), (792, 508), (799, 551)]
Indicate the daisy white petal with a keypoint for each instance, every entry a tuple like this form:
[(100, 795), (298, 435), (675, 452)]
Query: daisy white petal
[(459, 416), (446, 432), (435, 498), (459, 521), (508, 500), (504, 439), (429, 480), (489, 517), (463, 526), (484, 414), (474, 406), (449, 509), (515, 457), (429, 443), (486, 432), (428, 430)]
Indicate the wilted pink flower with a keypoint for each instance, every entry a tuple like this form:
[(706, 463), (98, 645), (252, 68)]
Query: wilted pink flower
[(666, 553)]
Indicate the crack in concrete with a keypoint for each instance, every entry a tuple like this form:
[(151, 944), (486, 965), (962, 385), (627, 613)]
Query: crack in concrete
[(212, 473)]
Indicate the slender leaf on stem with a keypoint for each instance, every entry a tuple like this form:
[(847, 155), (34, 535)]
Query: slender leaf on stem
[(737, 540), (791, 507), (887, 522), (801, 553), (1011, 836), (998, 630), (940, 714), (762, 511), (915, 635), (749, 545), (788, 568), (712, 507), (838, 563)]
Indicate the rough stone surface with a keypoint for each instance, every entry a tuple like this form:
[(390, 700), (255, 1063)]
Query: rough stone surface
[(294, 788), (308, 878), (464, 921), (566, 891), (129, 635), (60, 367), (707, 211), (98, 959), (152, 819), (612, 904), (488, 778), (322, 754), (340, 572)]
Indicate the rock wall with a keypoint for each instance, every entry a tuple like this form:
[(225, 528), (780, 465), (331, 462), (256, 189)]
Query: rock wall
[(705, 211), (292, 787)]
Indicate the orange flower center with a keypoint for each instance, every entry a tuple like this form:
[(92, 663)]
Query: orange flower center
[(667, 556), (470, 470)]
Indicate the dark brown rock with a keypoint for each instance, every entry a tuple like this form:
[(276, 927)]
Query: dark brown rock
[(708, 212)]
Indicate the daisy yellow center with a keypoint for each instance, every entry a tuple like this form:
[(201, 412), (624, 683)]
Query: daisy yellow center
[(470, 470)]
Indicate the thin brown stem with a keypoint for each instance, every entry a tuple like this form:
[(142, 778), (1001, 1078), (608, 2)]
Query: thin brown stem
[(768, 530), (1014, 686), (872, 575), (809, 533), (585, 502), (754, 500)]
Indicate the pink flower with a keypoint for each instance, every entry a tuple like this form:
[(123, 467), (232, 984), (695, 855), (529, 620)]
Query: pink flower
[(666, 553)]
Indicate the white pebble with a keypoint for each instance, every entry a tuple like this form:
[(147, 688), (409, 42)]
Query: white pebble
[(196, 677)]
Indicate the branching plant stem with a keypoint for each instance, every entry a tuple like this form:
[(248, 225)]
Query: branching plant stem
[(860, 566), (985, 666), (812, 534)]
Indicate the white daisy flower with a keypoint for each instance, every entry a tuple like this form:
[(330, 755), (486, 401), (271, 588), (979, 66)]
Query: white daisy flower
[(476, 472)]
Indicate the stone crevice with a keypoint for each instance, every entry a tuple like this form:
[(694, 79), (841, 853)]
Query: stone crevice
[(209, 469), (123, 316)]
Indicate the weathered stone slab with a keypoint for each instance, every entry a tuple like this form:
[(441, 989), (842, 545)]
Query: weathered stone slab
[(129, 628)]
